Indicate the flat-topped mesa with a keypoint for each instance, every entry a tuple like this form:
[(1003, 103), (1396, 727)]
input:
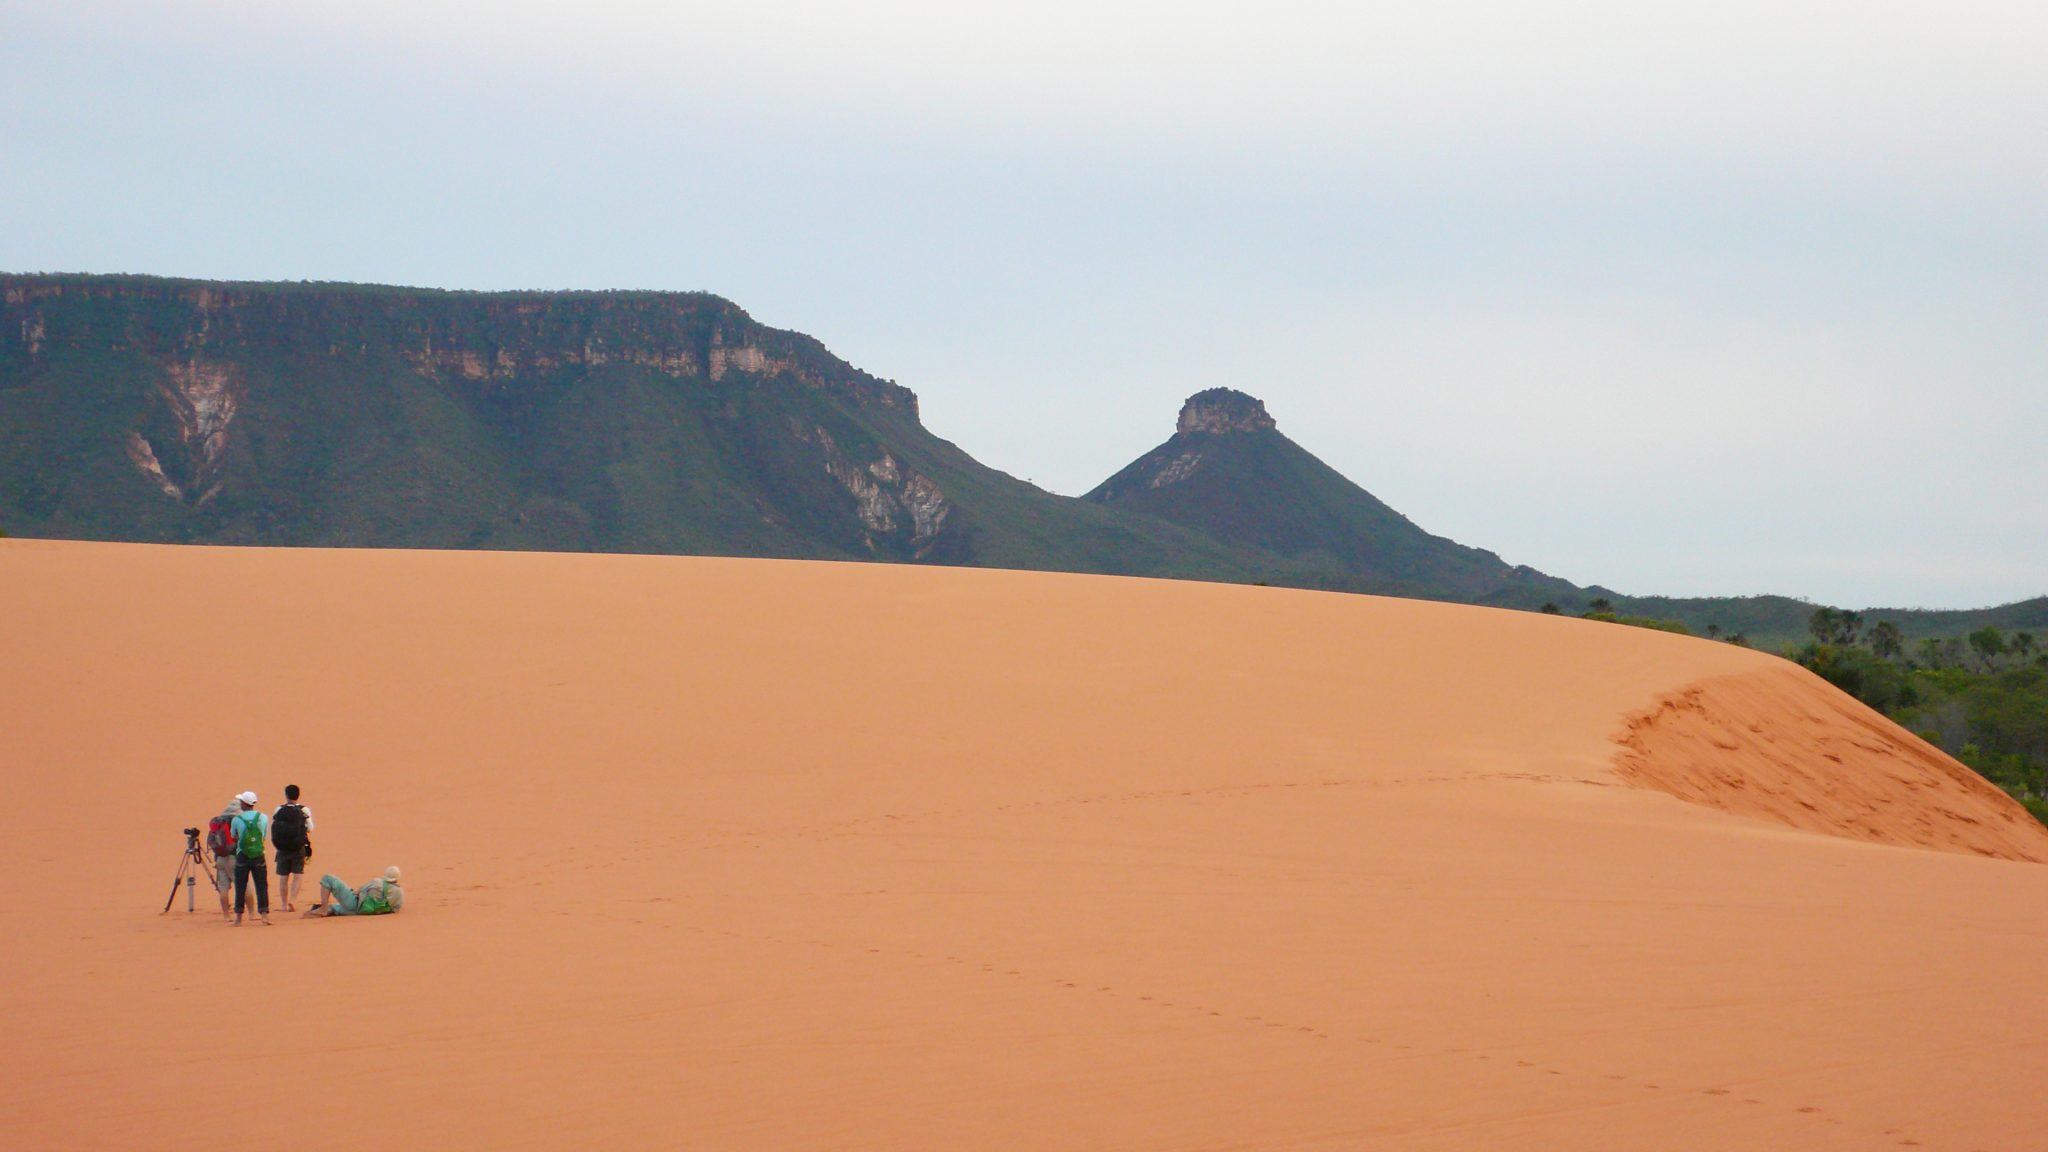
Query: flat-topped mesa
[(1223, 410), (493, 341)]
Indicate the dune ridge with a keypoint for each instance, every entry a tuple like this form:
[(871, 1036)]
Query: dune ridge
[(784, 855), (1779, 744)]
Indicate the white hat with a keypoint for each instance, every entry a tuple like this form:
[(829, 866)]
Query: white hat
[(391, 874), (248, 798)]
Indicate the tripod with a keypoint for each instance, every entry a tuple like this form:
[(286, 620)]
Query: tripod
[(191, 866)]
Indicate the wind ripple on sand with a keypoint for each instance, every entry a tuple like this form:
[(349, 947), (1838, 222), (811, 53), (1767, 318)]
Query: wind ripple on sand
[(1778, 744)]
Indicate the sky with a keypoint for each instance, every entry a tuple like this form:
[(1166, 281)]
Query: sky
[(1678, 299)]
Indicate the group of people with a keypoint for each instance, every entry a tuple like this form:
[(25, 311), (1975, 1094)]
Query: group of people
[(238, 839)]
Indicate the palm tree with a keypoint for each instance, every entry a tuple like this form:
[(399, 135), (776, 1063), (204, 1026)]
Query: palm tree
[(1990, 645)]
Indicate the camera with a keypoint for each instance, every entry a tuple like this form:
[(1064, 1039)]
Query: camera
[(189, 866)]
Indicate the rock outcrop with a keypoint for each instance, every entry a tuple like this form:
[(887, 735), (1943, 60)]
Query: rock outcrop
[(1221, 410)]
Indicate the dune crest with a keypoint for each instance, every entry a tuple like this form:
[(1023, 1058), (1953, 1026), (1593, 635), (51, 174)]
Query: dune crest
[(1780, 744)]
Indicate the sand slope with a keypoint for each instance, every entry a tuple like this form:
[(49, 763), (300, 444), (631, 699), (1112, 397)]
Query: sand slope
[(732, 854), (1780, 744)]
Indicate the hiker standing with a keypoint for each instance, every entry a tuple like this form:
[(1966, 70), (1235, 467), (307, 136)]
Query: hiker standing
[(250, 827), (220, 840), (289, 826), (378, 897)]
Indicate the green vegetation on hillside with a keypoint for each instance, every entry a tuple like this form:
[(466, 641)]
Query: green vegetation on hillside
[(1602, 610), (134, 408), (1775, 622), (1231, 475)]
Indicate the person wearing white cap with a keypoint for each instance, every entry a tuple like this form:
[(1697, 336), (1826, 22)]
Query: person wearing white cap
[(378, 897), (251, 829)]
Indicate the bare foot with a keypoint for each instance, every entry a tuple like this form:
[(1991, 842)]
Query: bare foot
[(266, 921)]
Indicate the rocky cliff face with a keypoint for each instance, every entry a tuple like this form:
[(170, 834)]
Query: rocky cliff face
[(1221, 410), (890, 496), (472, 336)]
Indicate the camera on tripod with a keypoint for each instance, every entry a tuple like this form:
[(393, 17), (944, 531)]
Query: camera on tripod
[(191, 866)]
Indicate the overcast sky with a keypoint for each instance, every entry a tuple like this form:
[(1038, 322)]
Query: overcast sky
[(1687, 299)]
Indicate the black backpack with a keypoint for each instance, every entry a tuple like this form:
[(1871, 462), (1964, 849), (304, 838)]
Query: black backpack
[(288, 828)]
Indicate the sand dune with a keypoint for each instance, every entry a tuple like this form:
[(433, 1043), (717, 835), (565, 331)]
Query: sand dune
[(735, 854), (1780, 744)]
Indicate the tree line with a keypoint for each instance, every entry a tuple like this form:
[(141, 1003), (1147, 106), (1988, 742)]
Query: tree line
[(1602, 609)]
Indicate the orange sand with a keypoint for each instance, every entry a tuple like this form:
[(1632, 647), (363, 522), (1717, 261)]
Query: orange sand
[(1779, 744), (766, 855)]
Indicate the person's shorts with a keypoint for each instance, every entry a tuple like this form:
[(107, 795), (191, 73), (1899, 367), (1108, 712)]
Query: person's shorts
[(224, 873), (291, 863)]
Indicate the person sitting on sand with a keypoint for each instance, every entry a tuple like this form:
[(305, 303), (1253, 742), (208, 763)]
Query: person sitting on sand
[(376, 898)]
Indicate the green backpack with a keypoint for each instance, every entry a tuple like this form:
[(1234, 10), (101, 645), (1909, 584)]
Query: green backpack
[(250, 846)]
